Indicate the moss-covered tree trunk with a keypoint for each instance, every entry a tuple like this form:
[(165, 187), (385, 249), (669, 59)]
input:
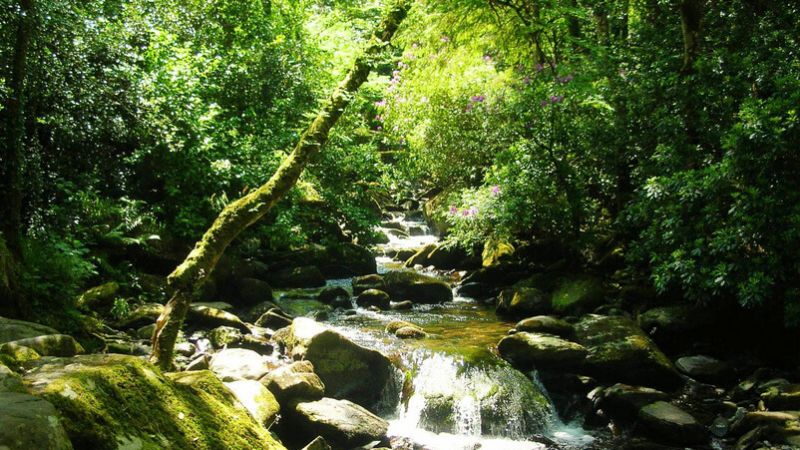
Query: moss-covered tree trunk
[(240, 214), (13, 113)]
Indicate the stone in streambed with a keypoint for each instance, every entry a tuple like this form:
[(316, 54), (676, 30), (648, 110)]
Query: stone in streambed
[(672, 424), (406, 285), (253, 291), (522, 302), (528, 351), (337, 297), (30, 422), (296, 381), (258, 401), (12, 330), (546, 324), (624, 401), (48, 345), (273, 319), (238, 364), (207, 316), (342, 423), (363, 283), (373, 297), (704, 368)]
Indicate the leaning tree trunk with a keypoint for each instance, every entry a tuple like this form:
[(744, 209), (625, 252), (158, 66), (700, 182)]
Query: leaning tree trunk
[(691, 15), (11, 167), (237, 216)]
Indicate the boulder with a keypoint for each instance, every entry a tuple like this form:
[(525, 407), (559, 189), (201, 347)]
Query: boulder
[(238, 364), (496, 251), (224, 336), (10, 381), (115, 401), (412, 332), (623, 401), (444, 257), (49, 345), (577, 295), (207, 316), (620, 352), (12, 330), (504, 274), (405, 305), (342, 423), (317, 444), (298, 277), (373, 297), (672, 424), (404, 285), (273, 319), (348, 370), (102, 295), (363, 283), (253, 291), (17, 354), (528, 351), (296, 381), (30, 423), (522, 302), (140, 316), (336, 296), (421, 256), (256, 399), (782, 397), (676, 328), (546, 324), (347, 259), (477, 291), (704, 368)]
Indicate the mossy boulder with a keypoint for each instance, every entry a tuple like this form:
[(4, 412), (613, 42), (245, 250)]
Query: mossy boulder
[(12, 330), (477, 291), (48, 345), (373, 297), (335, 296), (208, 316), (274, 319), (504, 274), (406, 285), (623, 401), (672, 424), (140, 316), (238, 364), (577, 295), (373, 281), (620, 352), (102, 295), (257, 399), (253, 291), (342, 423), (546, 324), (30, 423), (348, 370), (10, 381), (296, 381), (528, 351), (17, 354), (522, 302), (116, 401), (445, 257), (496, 251)]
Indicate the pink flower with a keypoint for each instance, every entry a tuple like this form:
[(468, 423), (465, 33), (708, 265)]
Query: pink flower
[(453, 210), (487, 58), (444, 38), (380, 103), (496, 190)]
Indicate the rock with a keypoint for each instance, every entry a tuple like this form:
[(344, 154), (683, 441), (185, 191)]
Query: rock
[(402, 285), (504, 274), (258, 401), (238, 364), (405, 305), (224, 336), (577, 295), (495, 252), (546, 324), (199, 363), (782, 397), (12, 330), (411, 332), (620, 352), (298, 277), (528, 351), (206, 316), (19, 354), (146, 332), (317, 444), (118, 401), (373, 297), (273, 319), (676, 328), (421, 256), (395, 325), (186, 349), (10, 381), (347, 259), (102, 295), (337, 297), (253, 291), (49, 345), (361, 284), (522, 302), (348, 370), (445, 257), (672, 424), (297, 381), (477, 291), (142, 315), (30, 423), (342, 423), (302, 307), (623, 401), (704, 368)]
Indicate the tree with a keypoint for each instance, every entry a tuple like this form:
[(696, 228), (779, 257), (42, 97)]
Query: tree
[(247, 210)]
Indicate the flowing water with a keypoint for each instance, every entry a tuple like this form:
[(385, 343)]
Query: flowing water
[(452, 391)]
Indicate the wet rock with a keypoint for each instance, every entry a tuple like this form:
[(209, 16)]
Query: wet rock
[(49, 345), (29, 422), (528, 351), (317, 444), (477, 291), (348, 370), (140, 316), (504, 274), (185, 349), (363, 283), (405, 305), (298, 277), (672, 424), (12, 330), (238, 364), (199, 363), (411, 332), (10, 381), (403, 285), (342, 423), (782, 397), (253, 291), (224, 336), (676, 328), (495, 252), (258, 401), (522, 302), (273, 319), (444, 257), (297, 381), (620, 352), (373, 297), (704, 368), (335, 296), (146, 332), (577, 294), (118, 401), (623, 401), (98, 296), (546, 324), (207, 316)]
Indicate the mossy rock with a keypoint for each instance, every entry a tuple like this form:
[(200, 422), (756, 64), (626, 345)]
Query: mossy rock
[(407, 285), (528, 351), (522, 302), (102, 295), (117, 401), (10, 381), (577, 295), (48, 345), (495, 251), (12, 330)]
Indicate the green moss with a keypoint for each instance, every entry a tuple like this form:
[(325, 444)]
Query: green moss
[(577, 295), (113, 400)]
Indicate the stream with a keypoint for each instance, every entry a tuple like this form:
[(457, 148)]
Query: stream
[(451, 390)]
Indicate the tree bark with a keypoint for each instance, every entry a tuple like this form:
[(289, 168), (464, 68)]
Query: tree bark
[(11, 169), (237, 216), (691, 15)]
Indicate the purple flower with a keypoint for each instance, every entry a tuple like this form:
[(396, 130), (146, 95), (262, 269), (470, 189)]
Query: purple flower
[(527, 79), (379, 128), (379, 118), (495, 190), (566, 79), (466, 212), (444, 38), (473, 211), (543, 103), (487, 58), (453, 210), (381, 103), (556, 98), (539, 67), (477, 98)]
